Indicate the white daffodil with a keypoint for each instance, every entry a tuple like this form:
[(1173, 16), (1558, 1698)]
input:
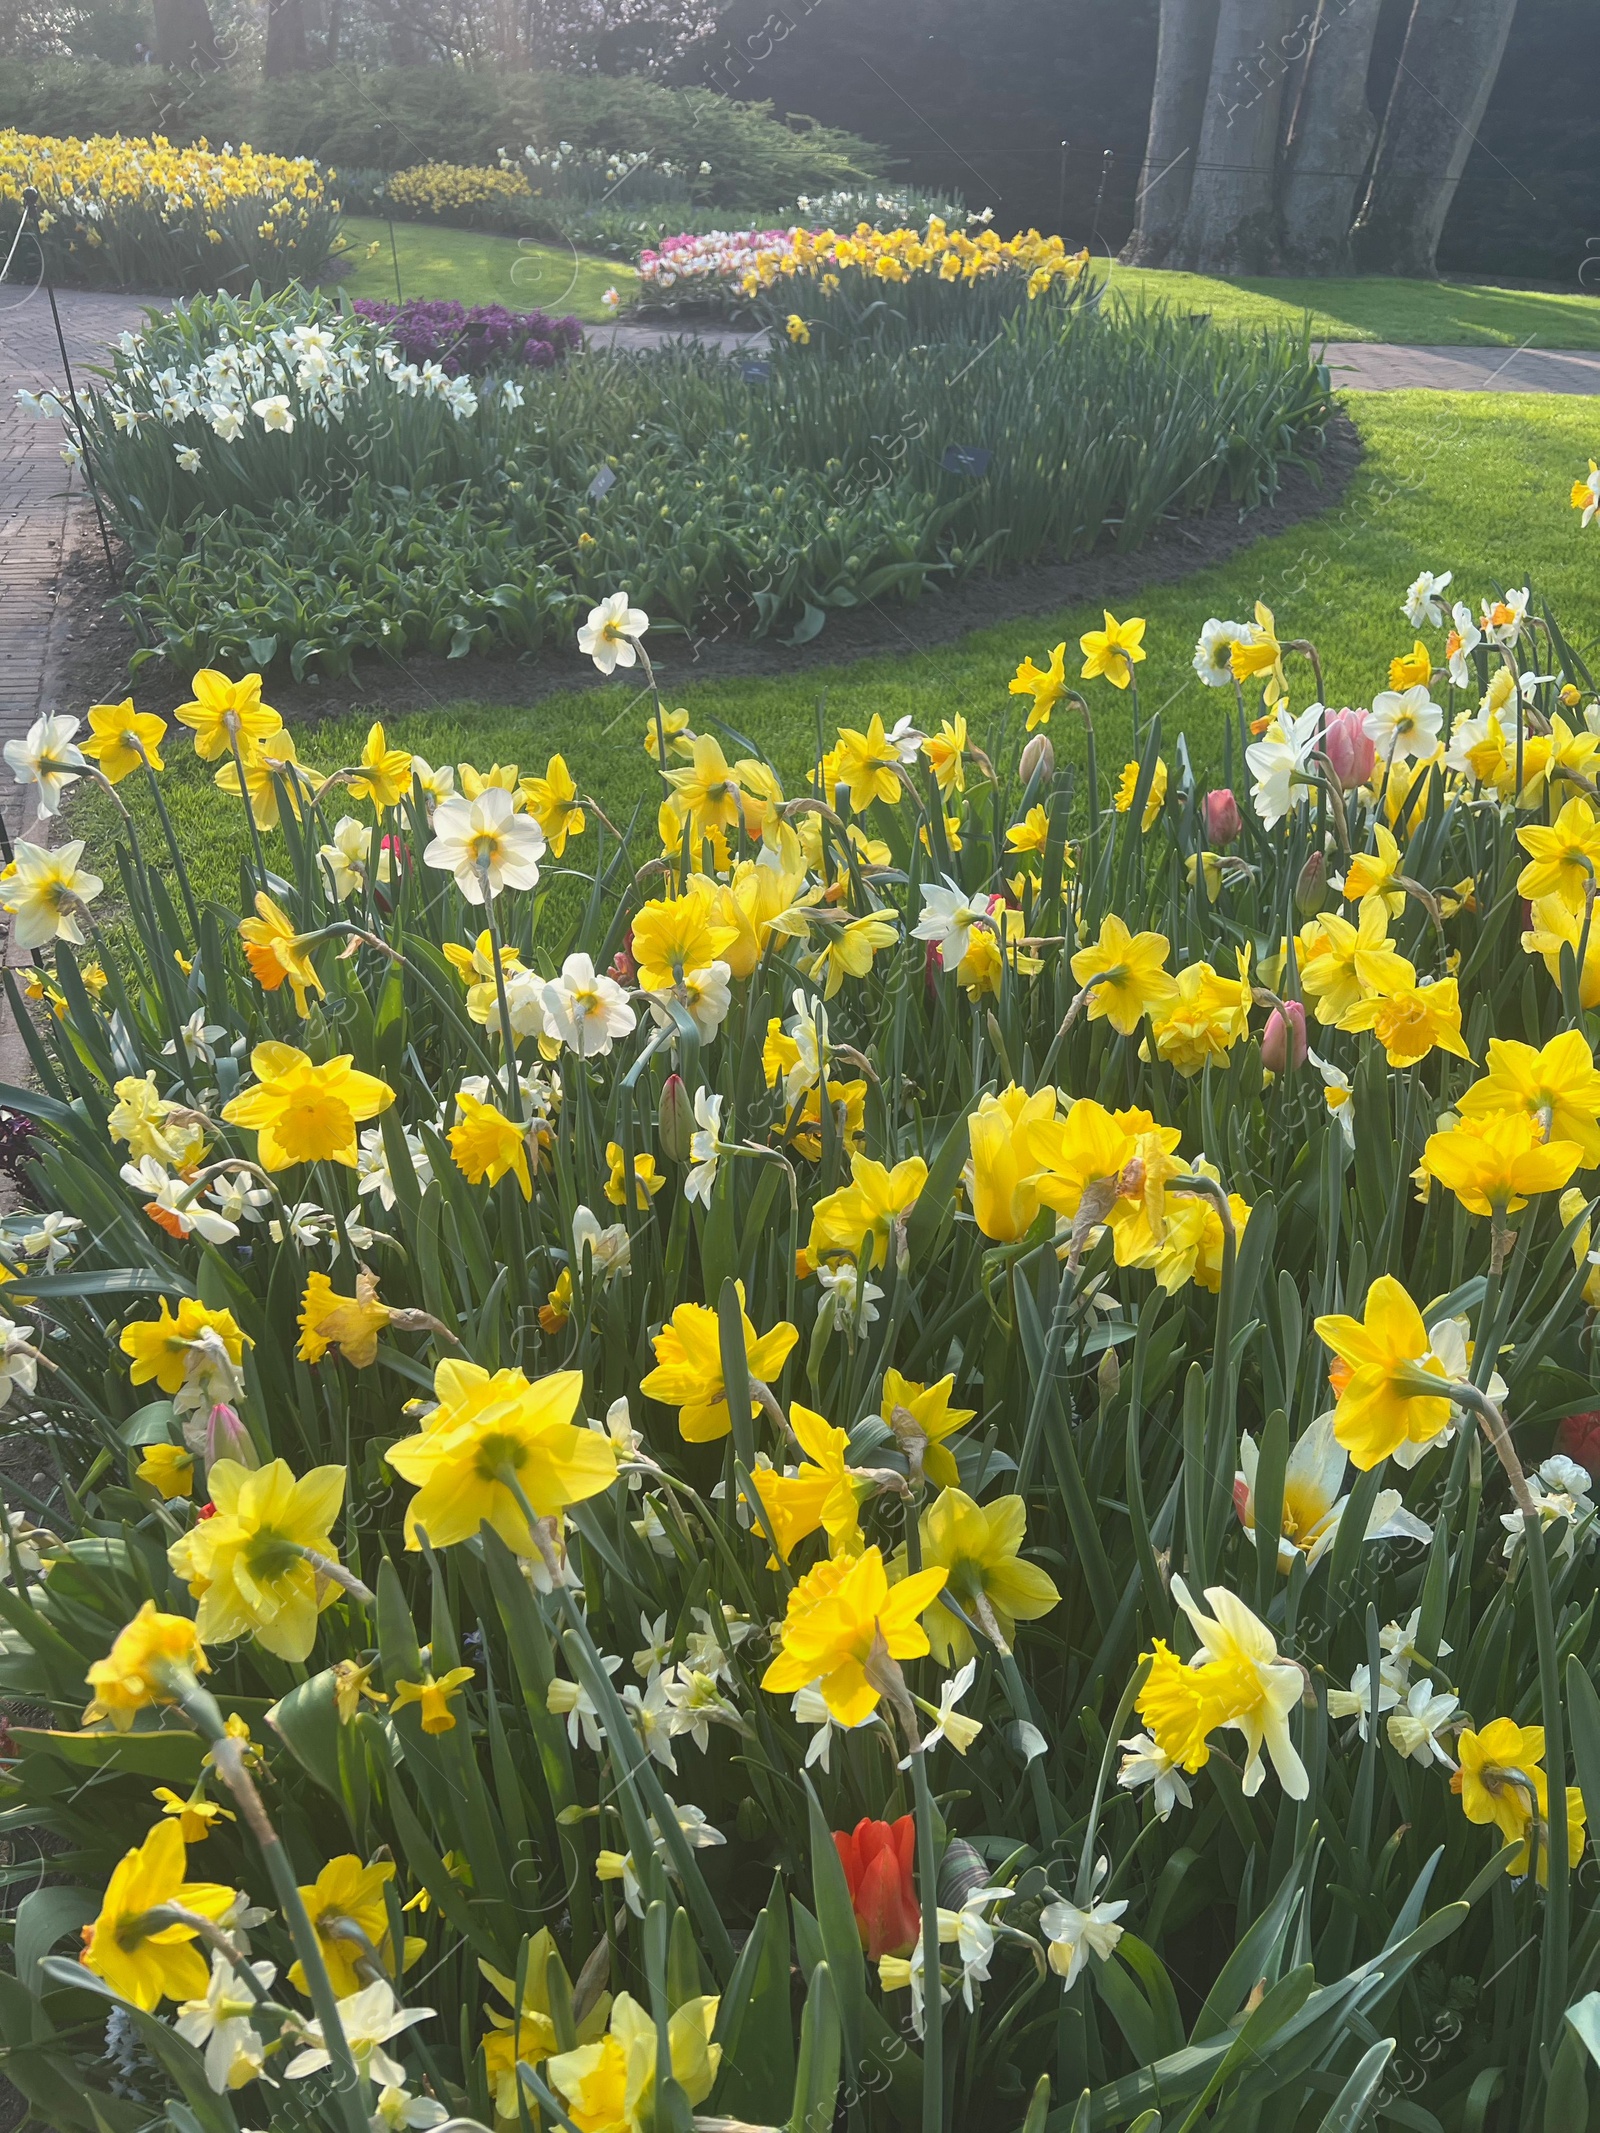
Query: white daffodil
[(906, 739), (53, 1238), (1213, 655), (947, 919), (165, 1203), (1560, 1490), (586, 1010), (19, 1367), (1277, 762), (236, 1199), (656, 1650), (950, 1724), (400, 2112), (696, 1830), (697, 1700), (1530, 684), (1422, 602), (187, 457), (1590, 482), (705, 1148), (1414, 1730), (437, 784), (1398, 1643), (1403, 723), (1074, 1934), (1503, 619), (198, 1037), (897, 1973), (855, 1302), (372, 1164), (1464, 639), (972, 1936), (348, 859), (24, 1545), (47, 894), (653, 1717), (1338, 1095), (572, 1701), (370, 2019), (706, 996), (610, 1249), (629, 1445), (306, 1223), (1356, 1701), (608, 636), (485, 844), (223, 2025), (1312, 1506), (1146, 1763), (48, 759)]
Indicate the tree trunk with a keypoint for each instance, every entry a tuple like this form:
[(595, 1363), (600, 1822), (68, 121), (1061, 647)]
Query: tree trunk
[(185, 36), (1232, 223), (1183, 71), (286, 39), (1447, 69), (1330, 140)]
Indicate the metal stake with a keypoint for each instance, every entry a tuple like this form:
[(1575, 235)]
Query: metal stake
[(30, 210)]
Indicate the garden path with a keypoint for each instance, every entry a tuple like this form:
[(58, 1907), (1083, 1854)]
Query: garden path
[(1374, 366)]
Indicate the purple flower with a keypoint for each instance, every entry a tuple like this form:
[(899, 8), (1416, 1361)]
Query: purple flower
[(486, 338)]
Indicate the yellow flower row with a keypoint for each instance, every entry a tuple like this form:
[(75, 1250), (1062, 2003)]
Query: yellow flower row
[(433, 188), (89, 179), (904, 254)]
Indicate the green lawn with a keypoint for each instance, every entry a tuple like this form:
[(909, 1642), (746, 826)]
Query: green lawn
[(1375, 308), (475, 268), (1451, 481)]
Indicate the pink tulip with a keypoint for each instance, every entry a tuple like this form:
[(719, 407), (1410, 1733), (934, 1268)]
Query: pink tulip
[(220, 1434), (1345, 744), (1275, 1037), (1223, 821)]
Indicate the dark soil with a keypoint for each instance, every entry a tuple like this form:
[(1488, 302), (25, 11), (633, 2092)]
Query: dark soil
[(95, 646)]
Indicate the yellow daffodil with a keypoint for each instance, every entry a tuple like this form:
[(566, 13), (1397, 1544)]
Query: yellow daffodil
[(1411, 668), (1205, 1019), (978, 1547), (1191, 1243), (647, 1180), (553, 803), (946, 752), (1501, 1780), (1003, 1180), (1046, 685), (1563, 856), (1373, 874), (1113, 651), (838, 1616), (493, 1441), (273, 773), (145, 1960), (1557, 1086), (609, 2086), (848, 950), (385, 777), (1342, 965), (302, 1113), (194, 1815), (1412, 1021), (122, 740), (1555, 926), (530, 2032), (137, 1671), (277, 954), (1380, 1406), (1155, 799), (350, 1918), (870, 1206), (1237, 1680), (1496, 1161), (433, 1698), (869, 765), (1031, 834), (678, 934), (160, 1348), (1258, 652), (922, 1419), (488, 1146), (706, 791), (688, 1372), (1128, 974), (225, 715), (349, 1323), (251, 1564), (168, 1469), (824, 1493)]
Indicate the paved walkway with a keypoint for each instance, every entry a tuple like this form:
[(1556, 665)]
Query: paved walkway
[(1373, 367)]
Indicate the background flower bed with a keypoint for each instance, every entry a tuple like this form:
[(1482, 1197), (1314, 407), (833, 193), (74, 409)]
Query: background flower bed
[(139, 213), (824, 478), (1118, 1461), (485, 339)]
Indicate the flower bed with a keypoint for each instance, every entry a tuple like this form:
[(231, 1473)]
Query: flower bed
[(487, 338), (142, 214), (824, 1451), (260, 458)]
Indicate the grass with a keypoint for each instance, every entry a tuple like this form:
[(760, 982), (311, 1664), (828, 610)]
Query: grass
[(475, 268), (1376, 308), (1459, 481)]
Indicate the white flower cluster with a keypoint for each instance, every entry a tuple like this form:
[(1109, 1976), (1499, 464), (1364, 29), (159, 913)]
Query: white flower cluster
[(609, 163), (720, 255)]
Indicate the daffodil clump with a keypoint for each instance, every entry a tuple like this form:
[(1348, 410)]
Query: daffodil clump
[(923, 1449), (147, 214), (454, 192)]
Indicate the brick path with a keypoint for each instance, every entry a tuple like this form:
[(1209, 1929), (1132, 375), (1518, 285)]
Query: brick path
[(1372, 367)]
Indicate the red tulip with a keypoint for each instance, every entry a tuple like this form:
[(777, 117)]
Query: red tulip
[(1579, 1437), (879, 1861)]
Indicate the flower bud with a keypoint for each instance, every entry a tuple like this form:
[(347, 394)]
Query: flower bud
[(1108, 1376), (1346, 745), (1223, 822), (675, 1119), (1311, 890), (1038, 760), (220, 1434), (1276, 1040)]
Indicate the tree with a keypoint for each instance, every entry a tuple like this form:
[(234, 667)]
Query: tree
[(1268, 112), (185, 35), (286, 39), (1447, 68)]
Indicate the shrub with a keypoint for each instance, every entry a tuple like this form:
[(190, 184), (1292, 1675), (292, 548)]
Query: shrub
[(142, 214), (767, 1521), (395, 117), (854, 469)]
